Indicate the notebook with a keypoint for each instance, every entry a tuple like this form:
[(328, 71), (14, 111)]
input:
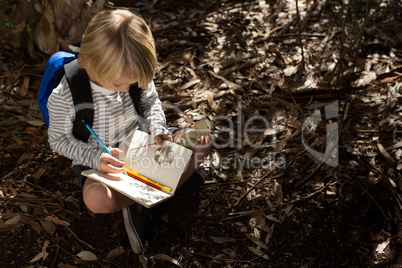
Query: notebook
[(139, 156)]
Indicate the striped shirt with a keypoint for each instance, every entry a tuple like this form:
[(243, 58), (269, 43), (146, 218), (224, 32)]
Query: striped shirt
[(114, 119)]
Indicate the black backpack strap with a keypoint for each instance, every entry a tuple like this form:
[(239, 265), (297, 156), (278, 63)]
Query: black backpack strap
[(135, 94), (80, 87)]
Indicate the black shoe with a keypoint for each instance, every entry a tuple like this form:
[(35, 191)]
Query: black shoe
[(197, 179), (137, 220)]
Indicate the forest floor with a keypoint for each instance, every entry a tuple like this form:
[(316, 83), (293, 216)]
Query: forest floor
[(306, 165)]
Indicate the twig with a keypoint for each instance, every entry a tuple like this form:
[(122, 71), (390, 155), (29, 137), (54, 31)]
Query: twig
[(79, 239), (251, 188), (338, 67), (375, 202), (317, 168), (375, 169), (254, 212), (300, 38), (234, 260), (56, 257)]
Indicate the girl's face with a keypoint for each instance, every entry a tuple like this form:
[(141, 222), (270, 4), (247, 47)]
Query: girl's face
[(122, 83)]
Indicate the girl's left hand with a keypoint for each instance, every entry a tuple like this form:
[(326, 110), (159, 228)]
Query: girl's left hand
[(163, 137)]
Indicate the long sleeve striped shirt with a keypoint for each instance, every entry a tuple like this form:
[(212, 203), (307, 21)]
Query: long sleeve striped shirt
[(114, 119)]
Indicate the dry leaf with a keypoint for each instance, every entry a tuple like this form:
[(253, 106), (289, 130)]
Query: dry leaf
[(288, 208), (56, 220), (13, 220), (87, 256), (222, 240), (289, 71), (37, 257), (143, 260), (270, 233), (278, 193), (257, 233), (261, 224), (366, 78), (66, 266), (190, 84), (32, 121), (256, 241), (230, 252), (258, 252), (48, 226), (114, 253), (35, 225), (43, 254), (165, 257), (24, 88), (38, 174), (270, 132), (384, 152), (211, 101)]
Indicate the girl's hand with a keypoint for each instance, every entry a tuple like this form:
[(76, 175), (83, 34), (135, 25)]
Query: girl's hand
[(110, 164), (160, 138)]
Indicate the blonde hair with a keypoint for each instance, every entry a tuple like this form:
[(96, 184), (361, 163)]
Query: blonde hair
[(116, 40)]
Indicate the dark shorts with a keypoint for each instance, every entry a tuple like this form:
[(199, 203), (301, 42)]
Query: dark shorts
[(81, 179)]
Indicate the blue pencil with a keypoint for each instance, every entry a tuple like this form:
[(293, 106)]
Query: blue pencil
[(97, 138)]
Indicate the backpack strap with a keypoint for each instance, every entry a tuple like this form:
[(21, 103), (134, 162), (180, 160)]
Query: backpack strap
[(135, 94), (80, 87)]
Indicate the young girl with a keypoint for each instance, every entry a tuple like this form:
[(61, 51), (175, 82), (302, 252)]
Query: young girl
[(117, 50)]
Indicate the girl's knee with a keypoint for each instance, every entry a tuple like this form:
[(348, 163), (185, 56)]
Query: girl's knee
[(98, 199)]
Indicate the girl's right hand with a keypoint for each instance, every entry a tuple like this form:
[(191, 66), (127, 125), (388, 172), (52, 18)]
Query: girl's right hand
[(110, 164)]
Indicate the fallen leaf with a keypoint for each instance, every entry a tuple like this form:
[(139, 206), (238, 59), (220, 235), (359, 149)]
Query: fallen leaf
[(288, 208), (256, 241), (143, 260), (48, 226), (381, 247), (230, 252), (222, 240), (278, 193), (38, 174), (114, 253), (37, 257), (289, 71), (32, 121), (165, 257), (67, 266), (87, 256), (35, 225), (189, 84), (13, 220), (269, 234), (211, 101), (56, 220), (258, 252), (261, 224), (384, 152), (45, 253)]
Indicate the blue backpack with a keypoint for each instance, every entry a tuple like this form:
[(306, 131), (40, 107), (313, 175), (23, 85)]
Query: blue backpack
[(64, 63)]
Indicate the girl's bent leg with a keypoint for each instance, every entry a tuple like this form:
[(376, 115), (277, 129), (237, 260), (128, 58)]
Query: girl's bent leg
[(101, 199), (200, 152)]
